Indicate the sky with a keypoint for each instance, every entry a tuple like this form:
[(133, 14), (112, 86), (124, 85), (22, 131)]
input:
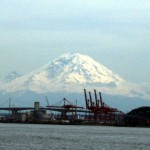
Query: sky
[(115, 33)]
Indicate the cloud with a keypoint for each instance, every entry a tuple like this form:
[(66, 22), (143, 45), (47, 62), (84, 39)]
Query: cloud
[(75, 14)]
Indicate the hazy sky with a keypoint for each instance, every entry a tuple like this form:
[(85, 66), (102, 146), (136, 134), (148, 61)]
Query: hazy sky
[(114, 32)]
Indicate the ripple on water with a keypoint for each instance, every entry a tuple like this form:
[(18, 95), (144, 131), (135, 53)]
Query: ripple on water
[(55, 137)]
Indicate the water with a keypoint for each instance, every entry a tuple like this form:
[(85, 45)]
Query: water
[(58, 137)]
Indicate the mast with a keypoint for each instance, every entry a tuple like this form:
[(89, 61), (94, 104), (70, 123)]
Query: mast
[(96, 100), (86, 100)]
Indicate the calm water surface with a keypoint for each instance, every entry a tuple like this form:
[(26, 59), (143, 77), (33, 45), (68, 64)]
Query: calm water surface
[(57, 137)]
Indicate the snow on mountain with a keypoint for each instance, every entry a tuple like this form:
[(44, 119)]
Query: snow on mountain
[(71, 73), (11, 76), (77, 68)]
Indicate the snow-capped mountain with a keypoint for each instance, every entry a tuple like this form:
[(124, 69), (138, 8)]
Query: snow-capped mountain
[(11, 76), (71, 73)]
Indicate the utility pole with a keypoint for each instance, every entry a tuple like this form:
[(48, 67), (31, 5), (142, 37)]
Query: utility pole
[(47, 100), (9, 106)]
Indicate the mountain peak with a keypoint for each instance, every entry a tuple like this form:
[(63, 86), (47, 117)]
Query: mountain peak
[(71, 72), (74, 67), (73, 56)]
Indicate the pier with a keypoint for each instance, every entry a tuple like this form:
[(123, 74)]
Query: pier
[(95, 112)]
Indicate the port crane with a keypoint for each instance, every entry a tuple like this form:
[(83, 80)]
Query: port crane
[(65, 108), (101, 111)]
